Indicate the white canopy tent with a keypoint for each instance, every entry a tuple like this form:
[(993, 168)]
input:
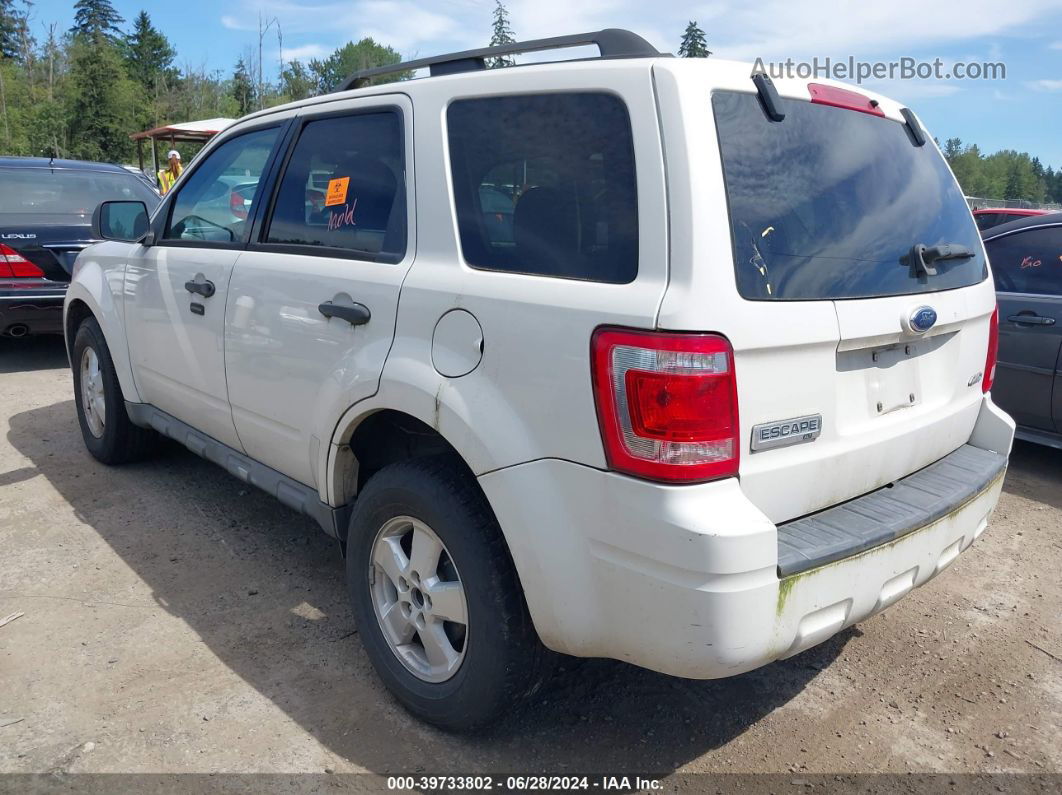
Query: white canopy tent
[(187, 132)]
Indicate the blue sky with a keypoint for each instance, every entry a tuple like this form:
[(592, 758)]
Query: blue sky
[(1022, 112)]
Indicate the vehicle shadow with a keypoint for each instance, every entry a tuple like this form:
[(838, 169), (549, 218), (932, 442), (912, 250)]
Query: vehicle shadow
[(264, 589), (1035, 472), (44, 352)]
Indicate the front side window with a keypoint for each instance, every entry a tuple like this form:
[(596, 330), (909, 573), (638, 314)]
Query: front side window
[(828, 203), (1028, 262), (214, 203), (545, 184), (343, 188)]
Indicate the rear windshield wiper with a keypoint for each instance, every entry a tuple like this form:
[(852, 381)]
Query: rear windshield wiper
[(923, 257)]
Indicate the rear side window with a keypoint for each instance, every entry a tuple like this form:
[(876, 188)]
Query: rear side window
[(545, 184), (828, 202), (1028, 262), (343, 188)]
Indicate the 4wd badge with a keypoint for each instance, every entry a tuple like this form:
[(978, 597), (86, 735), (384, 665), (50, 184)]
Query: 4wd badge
[(783, 433)]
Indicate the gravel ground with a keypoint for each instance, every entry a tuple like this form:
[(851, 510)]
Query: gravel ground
[(176, 620)]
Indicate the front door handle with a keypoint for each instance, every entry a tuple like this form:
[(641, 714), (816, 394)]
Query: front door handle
[(343, 307), (1031, 319), (201, 285)]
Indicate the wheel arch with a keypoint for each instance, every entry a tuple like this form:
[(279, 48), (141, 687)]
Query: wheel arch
[(400, 422), (448, 410)]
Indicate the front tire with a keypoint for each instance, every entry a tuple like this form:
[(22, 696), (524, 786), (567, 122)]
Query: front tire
[(108, 432), (436, 597)]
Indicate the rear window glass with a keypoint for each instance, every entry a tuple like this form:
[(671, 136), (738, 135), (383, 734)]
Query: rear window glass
[(1028, 262), (986, 220), (43, 191), (827, 204), (545, 184)]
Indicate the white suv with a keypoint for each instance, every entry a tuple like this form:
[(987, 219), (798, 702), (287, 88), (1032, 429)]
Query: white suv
[(631, 357)]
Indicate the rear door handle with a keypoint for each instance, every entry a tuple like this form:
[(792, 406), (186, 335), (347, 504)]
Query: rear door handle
[(1031, 320), (201, 285), (343, 307)]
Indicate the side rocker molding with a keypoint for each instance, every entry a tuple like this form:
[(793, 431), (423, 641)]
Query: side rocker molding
[(295, 495)]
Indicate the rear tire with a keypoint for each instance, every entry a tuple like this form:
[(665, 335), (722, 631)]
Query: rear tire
[(108, 432), (431, 509)]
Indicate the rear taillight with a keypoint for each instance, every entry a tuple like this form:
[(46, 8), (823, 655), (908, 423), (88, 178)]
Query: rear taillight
[(993, 352), (238, 205), (667, 404), (14, 266)]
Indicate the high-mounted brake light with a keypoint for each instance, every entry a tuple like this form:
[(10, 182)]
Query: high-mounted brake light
[(667, 404), (14, 266), (993, 352), (843, 98)]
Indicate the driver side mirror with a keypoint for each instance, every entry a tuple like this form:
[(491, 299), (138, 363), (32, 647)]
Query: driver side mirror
[(122, 220)]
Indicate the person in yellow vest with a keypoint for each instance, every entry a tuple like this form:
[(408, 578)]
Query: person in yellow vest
[(168, 175)]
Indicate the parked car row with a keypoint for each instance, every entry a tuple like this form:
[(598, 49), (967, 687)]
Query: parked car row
[(46, 208), (632, 357)]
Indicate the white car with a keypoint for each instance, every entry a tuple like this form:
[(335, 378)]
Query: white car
[(705, 383)]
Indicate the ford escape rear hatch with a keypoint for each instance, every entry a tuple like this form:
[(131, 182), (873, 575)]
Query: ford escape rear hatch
[(861, 241)]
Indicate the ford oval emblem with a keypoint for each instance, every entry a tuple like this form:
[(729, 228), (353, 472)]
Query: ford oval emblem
[(923, 319)]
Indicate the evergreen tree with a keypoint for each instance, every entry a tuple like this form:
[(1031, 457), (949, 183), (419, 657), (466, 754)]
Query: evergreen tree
[(148, 55), (243, 89), (1053, 184), (14, 31), (1013, 189), (952, 148), (96, 18), (501, 34), (694, 44), (99, 116)]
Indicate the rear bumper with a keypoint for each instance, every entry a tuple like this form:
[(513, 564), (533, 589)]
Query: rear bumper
[(31, 311), (684, 579)]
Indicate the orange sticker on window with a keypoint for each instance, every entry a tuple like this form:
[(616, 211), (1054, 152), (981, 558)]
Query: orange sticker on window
[(337, 191)]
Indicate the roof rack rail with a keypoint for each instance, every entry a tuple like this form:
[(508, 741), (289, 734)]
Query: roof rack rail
[(611, 42)]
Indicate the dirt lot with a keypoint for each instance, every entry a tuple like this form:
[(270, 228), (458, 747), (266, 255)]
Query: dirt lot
[(178, 620)]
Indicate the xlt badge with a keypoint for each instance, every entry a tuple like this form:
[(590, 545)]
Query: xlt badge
[(783, 433)]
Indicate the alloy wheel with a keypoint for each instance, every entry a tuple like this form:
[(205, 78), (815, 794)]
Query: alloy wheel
[(93, 404), (419, 599)]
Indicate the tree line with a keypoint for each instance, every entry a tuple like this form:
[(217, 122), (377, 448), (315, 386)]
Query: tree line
[(1004, 175), (80, 92)]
